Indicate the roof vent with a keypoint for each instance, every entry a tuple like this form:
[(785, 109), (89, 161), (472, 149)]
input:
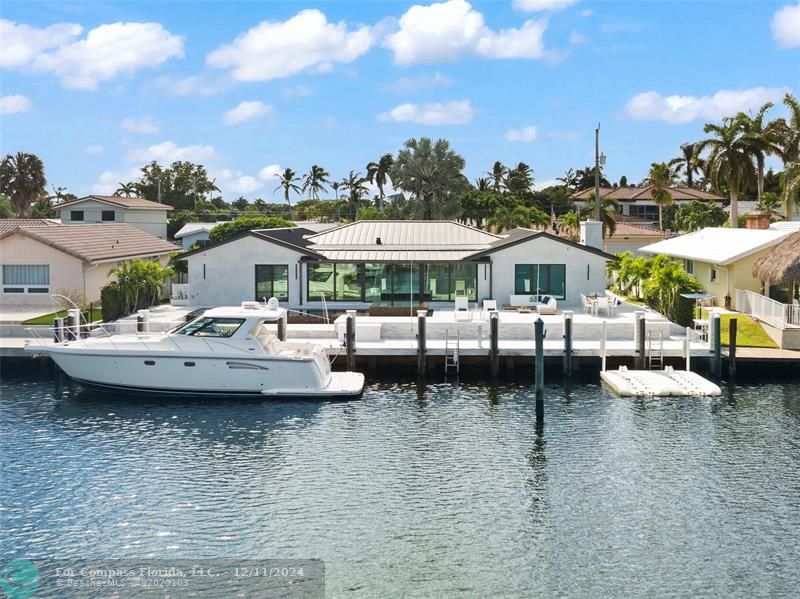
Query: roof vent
[(378, 241)]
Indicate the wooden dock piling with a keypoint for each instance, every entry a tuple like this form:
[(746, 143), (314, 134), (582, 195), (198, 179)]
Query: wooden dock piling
[(568, 314), (732, 351), (422, 365), (494, 347), (58, 330), (538, 328), (641, 334), (350, 340), (716, 340)]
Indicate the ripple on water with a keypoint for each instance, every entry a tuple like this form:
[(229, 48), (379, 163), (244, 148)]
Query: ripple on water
[(442, 491)]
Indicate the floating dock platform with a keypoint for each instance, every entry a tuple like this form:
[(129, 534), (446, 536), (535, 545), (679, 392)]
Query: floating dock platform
[(658, 383)]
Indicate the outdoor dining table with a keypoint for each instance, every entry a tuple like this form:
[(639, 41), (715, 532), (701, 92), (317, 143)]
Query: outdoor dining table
[(595, 301)]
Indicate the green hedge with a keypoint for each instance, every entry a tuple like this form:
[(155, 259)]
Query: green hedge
[(111, 303)]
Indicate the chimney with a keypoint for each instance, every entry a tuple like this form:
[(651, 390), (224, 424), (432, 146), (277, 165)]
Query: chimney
[(592, 234), (758, 220)]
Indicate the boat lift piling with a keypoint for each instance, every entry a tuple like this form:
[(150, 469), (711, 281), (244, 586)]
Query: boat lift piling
[(494, 351), (687, 349), (639, 334), (73, 324), (603, 348), (732, 351), (350, 340), (716, 347), (282, 325), (58, 330), (568, 343), (538, 328), (421, 343)]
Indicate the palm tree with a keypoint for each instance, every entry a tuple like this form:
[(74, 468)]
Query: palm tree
[(570, 225), (288, 182), (505, 218), (483, 184), (520, 179), (497, 175), (22, 179), (761, 139), (661, 178), (354, 184), (378, 172), (729, 161), (609, 208), (432, 172), (315, 181), (335, 185), (569, 179), (688, 163), (127, 190), (787, 132)]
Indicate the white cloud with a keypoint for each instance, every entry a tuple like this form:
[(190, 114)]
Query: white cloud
[(457, 112), (545, 183), (541, 5), (168, 151), (104, 53), (564, 135), (410, 85), (298, 91), (23, 43), (586, 12), (94, 149), (652, 106), (786, 26), (234, 182), (193, 85), (268, 172), (576, 37), (246, 111), (306, 41), (144, 125), (109, 181), (14, 104), (446, 31), (525, 134)]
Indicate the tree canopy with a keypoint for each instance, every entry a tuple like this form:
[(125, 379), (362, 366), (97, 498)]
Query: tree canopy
[(231, 228)]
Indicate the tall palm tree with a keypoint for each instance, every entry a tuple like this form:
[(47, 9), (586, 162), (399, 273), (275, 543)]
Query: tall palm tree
[(505, 218), (335, 185), (378, 172), (354, 184), (787, 131), (483, 184), (688, 163), (498, 175), (661, 178), (22, 179), (519, 179), (431, 171), (569, 179), (315, 181), (570, 225), (127, 190), (729, 162), (762, 139), (288, 182)]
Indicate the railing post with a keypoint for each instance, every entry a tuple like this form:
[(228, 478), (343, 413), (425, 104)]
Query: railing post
[(421, 343), (539, 375)]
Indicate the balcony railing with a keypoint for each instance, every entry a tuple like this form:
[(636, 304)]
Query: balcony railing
[(765, 309)]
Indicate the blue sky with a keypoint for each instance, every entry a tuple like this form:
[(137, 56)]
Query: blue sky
[(99, 88)]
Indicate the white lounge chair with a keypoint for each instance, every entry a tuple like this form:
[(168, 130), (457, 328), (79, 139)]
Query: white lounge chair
[(489, 306), (462, 312), (546, 304)]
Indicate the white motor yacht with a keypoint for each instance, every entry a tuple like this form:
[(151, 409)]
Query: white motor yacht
[(226, 351)]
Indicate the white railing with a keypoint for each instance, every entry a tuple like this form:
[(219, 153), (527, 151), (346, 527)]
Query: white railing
[(180, 294), (766, 309)]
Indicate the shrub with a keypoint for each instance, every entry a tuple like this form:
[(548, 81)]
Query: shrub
[(110, 302), (233, 227), (138, 285)]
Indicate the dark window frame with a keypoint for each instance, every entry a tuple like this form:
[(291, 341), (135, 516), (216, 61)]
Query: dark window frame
[(105, 213), (530, 267), (73, 213), (270, 280)]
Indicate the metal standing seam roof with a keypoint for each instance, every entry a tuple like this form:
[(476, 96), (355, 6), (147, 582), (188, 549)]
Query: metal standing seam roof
[(98, 242), (409, 234), (395, 255)]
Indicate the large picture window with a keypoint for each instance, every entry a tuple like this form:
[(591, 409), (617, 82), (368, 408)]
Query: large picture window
[(272, 280), (541, 279), (26, 278)]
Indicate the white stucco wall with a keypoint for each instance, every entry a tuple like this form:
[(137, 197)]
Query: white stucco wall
[(189, 240), (542, 250), (153, 222), (229, 277)]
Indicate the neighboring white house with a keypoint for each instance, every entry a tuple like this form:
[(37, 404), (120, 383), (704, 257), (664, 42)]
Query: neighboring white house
[(39, 258), (197, 233), (395, 263), (150, 217)]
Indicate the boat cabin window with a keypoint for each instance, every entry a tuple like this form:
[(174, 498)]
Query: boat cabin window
[(211, 327)]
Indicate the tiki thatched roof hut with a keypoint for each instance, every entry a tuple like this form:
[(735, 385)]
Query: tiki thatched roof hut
[(780, 264)]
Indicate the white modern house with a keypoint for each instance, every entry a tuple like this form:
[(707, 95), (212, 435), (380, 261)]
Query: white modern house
[(396, 263), (150, 217)]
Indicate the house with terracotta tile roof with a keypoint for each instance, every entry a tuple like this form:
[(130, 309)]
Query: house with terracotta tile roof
[(631, 236), (37, 259), (150, 217), (638, 201)]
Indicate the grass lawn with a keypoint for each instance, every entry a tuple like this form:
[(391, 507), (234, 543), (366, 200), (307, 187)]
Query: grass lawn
[(47, 319), (748, 333)]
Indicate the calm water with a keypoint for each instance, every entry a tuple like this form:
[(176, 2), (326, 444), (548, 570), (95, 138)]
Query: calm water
[(443, 492)]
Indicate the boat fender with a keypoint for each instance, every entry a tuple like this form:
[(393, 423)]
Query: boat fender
[(623, 369)]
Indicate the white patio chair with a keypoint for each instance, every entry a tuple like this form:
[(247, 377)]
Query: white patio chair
[(587, 305), (488, 306), (461, 309), (602, 303)]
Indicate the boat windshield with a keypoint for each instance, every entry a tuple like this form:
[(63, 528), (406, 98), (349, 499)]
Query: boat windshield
[(211, 327)]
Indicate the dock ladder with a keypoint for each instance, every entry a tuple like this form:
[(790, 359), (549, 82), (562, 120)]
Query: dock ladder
[(451, 355), (655, 352)]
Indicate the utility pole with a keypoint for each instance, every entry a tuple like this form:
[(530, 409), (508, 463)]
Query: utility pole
[(597, 172)]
